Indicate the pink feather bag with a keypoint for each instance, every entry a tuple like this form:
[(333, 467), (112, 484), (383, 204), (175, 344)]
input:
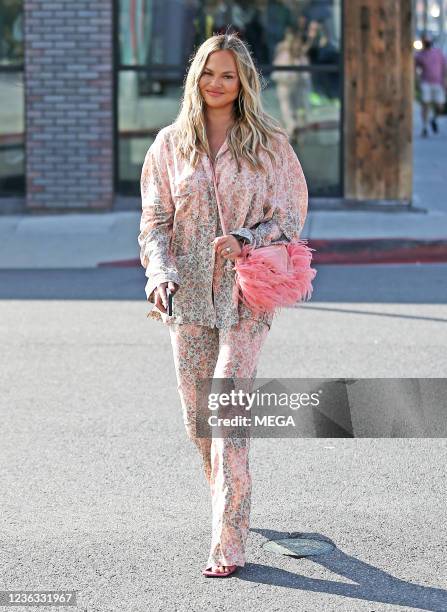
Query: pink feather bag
[(273, 276)]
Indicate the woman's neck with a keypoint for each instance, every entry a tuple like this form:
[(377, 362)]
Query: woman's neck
[(219, 119)]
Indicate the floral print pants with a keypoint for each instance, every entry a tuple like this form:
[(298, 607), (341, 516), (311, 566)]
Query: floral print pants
[(210, 352)]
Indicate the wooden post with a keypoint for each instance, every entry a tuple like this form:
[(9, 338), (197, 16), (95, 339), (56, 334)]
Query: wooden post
[(379, 82)]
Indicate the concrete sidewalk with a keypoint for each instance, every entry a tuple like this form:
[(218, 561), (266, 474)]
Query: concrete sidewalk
[(85, 240)]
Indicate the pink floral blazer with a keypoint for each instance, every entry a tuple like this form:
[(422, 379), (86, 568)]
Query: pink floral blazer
[(180, 220)]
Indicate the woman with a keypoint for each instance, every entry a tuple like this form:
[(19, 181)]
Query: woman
[(292, 88), (221, 131)]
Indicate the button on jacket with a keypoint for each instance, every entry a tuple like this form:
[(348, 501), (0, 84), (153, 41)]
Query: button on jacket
[(180, 219)]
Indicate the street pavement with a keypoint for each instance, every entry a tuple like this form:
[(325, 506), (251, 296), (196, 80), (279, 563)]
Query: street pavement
[(102, 491)]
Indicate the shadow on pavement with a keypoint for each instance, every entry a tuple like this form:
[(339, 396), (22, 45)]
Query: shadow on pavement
[(372, 584)]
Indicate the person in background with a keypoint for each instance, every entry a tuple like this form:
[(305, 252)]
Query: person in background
[(292, 88), (431, 69)]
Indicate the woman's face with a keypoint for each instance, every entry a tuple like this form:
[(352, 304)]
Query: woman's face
[(219, 83)]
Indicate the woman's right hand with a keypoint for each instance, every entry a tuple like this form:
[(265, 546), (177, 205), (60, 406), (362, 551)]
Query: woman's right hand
[(161, 300)]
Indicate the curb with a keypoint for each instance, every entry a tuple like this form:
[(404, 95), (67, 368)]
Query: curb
[(357, 251), (378, 250)]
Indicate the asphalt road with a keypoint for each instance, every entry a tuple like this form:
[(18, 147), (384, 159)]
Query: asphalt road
[(102, 491)]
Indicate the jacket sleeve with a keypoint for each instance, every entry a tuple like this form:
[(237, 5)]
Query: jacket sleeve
[(286, 206), (156, 221)]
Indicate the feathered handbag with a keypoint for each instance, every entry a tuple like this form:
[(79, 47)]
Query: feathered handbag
[(273, 276)]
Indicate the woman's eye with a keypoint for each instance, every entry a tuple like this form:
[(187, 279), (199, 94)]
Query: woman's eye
[(228, 76)]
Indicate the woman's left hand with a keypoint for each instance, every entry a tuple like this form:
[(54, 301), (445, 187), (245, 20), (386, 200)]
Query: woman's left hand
[(227, 246)]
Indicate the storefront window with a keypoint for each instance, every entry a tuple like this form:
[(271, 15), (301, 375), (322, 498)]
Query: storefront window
[(430, 16), (295, 45), (12, 150)]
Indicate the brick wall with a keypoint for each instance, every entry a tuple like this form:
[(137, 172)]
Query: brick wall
[(69, 104)]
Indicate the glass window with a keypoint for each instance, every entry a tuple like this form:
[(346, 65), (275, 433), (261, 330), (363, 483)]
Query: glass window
[(12, 150), (11, 32), (295, 45), (146, 104), (431, 16), (308, 106), (158, 32)]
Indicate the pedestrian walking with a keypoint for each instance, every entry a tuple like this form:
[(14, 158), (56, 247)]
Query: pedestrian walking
[(221, 139), (431, 69)]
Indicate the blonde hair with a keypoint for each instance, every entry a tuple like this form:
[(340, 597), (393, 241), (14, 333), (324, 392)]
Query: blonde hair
[(253, 127)]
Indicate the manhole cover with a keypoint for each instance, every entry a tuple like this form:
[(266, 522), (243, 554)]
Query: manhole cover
[(299, 547)]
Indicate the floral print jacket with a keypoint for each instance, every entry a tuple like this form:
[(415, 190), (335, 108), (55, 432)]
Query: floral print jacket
[(180, 220)]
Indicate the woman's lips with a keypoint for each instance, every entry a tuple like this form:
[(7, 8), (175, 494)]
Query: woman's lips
[(214, 93)]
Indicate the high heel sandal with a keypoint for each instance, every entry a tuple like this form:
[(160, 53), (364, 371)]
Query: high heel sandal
[(210, 574)]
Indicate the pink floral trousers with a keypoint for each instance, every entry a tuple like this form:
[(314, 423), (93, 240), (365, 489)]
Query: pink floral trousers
[(210, 352)]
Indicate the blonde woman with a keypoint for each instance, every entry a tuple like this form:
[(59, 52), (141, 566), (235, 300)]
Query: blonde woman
[(222, 131)]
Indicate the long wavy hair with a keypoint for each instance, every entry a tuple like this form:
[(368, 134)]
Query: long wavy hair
[(253, 127)]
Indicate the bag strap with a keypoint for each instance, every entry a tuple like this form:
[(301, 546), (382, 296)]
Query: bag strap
[(218, 201)]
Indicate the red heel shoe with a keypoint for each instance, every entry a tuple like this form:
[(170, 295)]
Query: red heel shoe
[(210, 574)]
